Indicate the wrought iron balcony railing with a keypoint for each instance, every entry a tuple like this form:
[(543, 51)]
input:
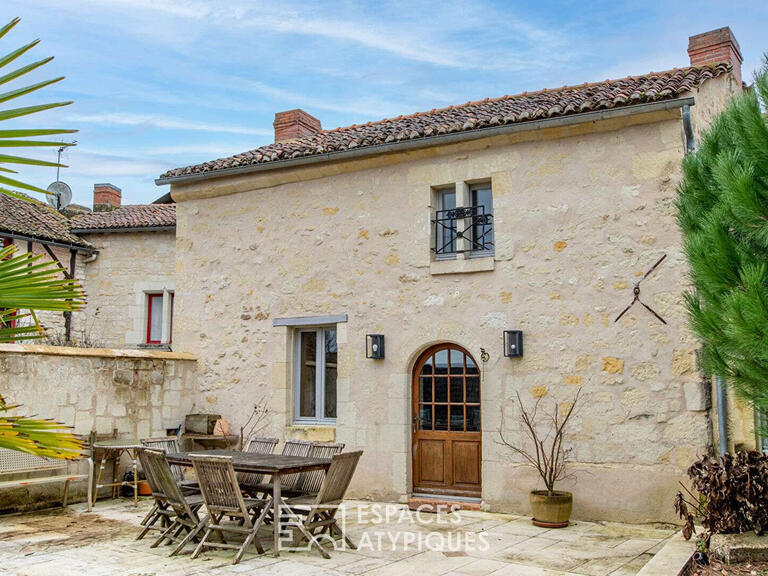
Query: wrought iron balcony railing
[(469, 223)]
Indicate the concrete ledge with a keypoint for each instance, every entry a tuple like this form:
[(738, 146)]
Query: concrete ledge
[(745, 547), (462, 266), (94, 352), (672, 559)]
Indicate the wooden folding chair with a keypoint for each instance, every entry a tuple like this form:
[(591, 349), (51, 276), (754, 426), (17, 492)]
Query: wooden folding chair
[(288, 482), (170, 445), (222, 497), (161, 509), (294, 448), (312, 516), (185, 508), (311, 482), (249, 481)]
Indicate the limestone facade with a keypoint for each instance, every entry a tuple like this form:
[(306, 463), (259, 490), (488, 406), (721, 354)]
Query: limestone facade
[(129, 266), (581, 212)]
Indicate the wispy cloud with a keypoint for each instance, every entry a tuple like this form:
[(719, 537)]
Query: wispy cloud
[(360, 106), (126, 119), (204, 150), (98, 165), (451, 39)]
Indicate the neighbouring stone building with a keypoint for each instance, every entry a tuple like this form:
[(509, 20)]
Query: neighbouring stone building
[(32, 226), (122, 254), (440, 231), (129, 279)]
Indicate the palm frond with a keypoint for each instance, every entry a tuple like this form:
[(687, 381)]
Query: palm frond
[(26, 283), (16, 138), (38, 436)]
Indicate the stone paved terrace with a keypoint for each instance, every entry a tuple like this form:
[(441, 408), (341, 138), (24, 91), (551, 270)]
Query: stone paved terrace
[(73, 542)]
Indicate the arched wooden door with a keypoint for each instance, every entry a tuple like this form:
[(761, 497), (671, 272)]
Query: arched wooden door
[(446, 442)]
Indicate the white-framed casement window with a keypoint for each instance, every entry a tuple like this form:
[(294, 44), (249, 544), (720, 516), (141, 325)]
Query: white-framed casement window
[(445, 231), (463, 222), (159, 306), (315, 358), (481, 199)]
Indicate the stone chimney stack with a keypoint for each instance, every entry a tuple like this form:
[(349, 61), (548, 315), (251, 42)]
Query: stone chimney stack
[(716, 46), (295, 124), (106, 197)]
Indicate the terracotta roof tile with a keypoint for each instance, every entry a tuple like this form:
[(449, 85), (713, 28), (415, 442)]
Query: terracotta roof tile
[(519, 108), (36, 220), (129, 216)]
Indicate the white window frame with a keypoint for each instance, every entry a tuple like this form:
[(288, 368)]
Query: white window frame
[(319, 375), (439, 195), (166, 330), (472, 189)]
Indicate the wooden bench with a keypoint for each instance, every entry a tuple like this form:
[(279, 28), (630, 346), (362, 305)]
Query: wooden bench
[(50, 470)]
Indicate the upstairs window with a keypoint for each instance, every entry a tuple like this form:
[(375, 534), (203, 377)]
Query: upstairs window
[(482, 219), (316, 372), (464, 223), (158, 330), (445, 231)]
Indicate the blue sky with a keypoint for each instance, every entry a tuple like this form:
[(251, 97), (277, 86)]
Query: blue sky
[(160, 84)]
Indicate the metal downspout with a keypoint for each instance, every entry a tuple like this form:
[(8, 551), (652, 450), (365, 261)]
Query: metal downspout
[(722, 416)]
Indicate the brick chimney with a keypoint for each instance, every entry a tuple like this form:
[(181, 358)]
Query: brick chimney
[(106, 197), (295, 124), (716, 46)]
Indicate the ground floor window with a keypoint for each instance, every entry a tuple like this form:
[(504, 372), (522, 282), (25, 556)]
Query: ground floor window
[(315, 377), (159, 317)]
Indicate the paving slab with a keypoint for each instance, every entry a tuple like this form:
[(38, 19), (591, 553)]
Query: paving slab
[(464, 543)]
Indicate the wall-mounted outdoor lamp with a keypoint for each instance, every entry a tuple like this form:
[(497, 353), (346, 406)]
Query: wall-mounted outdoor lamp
[(374, 346), (513, 343)]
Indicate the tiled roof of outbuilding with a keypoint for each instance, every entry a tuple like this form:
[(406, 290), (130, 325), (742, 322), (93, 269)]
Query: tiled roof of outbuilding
[(136, 216), (34, 219), (487, 113)]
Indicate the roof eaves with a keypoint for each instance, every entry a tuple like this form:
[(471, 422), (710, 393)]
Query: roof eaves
[(82, 247), (123, 229), (427, 141)]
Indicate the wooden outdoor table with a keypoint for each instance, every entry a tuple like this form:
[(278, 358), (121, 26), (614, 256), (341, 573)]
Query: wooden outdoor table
[(275, 464), (113, 448)]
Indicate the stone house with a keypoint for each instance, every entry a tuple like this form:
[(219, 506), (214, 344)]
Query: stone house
[(444, 238), (122, 254), (130, 280), (35, 227)]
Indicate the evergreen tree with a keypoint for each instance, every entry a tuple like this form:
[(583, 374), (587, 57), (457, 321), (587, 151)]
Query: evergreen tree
[(723, 214)]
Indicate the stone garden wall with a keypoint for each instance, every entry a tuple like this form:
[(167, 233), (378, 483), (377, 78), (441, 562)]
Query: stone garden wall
[(141, 393)]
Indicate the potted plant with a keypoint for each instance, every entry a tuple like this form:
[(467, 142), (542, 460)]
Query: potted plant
[(550, 508)]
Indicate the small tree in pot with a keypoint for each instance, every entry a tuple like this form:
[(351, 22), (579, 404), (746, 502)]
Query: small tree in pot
[(550, 508)]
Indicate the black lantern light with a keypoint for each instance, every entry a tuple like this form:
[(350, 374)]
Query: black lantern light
[(513, 343), (374, 346)]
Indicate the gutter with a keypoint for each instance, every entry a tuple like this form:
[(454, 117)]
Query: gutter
[(442, 139), (68, 246), (119, 230), (722, 415)]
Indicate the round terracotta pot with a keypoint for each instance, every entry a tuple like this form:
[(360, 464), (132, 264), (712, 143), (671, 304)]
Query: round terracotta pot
[(551, 511), (144, 488)]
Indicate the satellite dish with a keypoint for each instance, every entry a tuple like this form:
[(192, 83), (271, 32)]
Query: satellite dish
[(61, 194)]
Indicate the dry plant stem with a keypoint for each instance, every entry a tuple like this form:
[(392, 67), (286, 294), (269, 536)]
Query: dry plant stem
[(549, 461), (254, 423)]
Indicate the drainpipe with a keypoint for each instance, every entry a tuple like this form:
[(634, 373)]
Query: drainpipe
[(722, 416), (690, 144), (91, 258)]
